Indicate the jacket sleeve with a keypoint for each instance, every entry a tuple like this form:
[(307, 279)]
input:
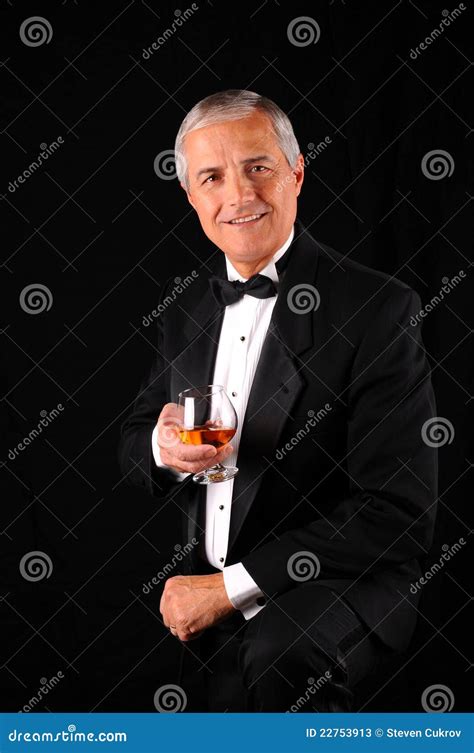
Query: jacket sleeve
[(388, 517), (135, 453)]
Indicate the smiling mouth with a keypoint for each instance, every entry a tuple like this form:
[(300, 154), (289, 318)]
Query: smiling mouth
[(251, 219)]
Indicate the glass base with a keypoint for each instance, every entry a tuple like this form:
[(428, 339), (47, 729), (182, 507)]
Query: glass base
[(216, 474)]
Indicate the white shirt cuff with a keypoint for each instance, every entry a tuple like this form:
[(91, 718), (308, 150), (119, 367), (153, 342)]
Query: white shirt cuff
[(242, 590), (157, 455)]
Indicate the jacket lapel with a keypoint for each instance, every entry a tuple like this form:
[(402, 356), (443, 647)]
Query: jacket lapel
[(277, 382)]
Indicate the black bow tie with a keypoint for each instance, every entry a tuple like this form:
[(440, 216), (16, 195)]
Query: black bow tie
[(226, 292)]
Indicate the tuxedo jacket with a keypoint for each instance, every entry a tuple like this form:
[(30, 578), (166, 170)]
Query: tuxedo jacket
[(332, 461)]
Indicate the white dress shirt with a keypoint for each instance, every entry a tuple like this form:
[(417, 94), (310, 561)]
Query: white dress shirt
[(243, 332)]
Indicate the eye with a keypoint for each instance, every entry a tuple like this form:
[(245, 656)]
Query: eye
[(210, 179), (258, 168)]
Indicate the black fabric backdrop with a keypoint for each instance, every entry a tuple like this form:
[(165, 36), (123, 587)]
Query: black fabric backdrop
[(101, 231)]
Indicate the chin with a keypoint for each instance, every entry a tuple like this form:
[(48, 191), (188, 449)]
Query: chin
[(245, 248)]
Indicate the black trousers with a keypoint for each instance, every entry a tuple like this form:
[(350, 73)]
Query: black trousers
[(304, 651)]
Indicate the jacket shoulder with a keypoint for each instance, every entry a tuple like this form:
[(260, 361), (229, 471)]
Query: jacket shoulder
[(353, 286)]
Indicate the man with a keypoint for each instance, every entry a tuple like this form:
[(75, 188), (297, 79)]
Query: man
[(302, 574)]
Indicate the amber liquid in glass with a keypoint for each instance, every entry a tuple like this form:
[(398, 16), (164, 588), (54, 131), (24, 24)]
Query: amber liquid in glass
[(215, 436)]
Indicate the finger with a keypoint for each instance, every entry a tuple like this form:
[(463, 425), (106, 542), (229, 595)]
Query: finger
[(193, 453), (187, 635), (162, 607), (196, 466), (203, 452), (183, 636), (170, 409), (185, 466), (193, 636), (224, 452), (171, 412)]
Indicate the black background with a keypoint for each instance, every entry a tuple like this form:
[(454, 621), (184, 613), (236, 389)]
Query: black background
[(102, 231)]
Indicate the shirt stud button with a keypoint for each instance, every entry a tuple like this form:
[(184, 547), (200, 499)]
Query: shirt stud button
[(221, 559), (221, 507), (234, 394), (242, 338)]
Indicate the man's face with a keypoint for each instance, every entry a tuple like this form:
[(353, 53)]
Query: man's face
[(236, 169)]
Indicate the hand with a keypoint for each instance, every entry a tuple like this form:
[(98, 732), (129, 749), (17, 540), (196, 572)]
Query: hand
[(192, 603), (184, 457)]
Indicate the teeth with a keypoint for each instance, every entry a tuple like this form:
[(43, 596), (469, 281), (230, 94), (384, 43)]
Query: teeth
[(245, 219)]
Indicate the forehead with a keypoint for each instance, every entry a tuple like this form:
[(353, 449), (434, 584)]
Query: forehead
[(246, 136)]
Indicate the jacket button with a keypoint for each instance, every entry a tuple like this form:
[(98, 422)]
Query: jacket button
[(261, 601)]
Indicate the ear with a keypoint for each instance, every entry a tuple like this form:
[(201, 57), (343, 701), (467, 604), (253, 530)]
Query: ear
[(298, 172)]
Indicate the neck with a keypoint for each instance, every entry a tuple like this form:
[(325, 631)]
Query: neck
[(248, 269)]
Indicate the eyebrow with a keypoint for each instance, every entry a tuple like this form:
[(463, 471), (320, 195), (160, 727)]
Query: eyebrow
[(249, 160)]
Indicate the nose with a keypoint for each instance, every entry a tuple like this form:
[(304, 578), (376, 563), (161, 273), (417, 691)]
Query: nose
[(239, 190)]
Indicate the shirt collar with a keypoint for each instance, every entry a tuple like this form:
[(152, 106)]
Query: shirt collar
[(269, 270)]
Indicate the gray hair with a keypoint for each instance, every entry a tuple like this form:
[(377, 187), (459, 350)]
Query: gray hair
[(234, 104)]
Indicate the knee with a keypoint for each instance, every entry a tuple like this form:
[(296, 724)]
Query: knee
[(275, 647)]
